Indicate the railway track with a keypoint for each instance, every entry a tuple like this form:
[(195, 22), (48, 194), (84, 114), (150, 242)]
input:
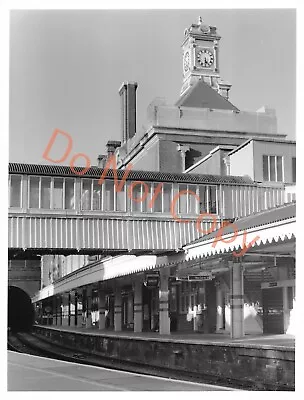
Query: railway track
[(14, 343), (28, 343)]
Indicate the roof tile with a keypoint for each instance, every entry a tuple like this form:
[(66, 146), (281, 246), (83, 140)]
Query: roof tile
[(96, 172)]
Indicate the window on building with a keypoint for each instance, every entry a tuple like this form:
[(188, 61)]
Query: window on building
[(97, 195), (108, 204), (69, 194), (203, 195), (51, 193), (45, 193), (265, 168), (147, 198), (121, 199), (212, 200), (188, 297), (167, 197), (136, 193), (208, 199), (154, 198), (293, 168), (34, 192), (58, 193), (279, 169), (273, 168), (157, 201), (182, 199), (86, 194), (290, 297), (103, 196), (15, 191), (159, 196), (192, 200)]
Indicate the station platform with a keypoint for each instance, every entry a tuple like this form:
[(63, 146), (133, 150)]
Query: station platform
[(257, 362), (283, 341)]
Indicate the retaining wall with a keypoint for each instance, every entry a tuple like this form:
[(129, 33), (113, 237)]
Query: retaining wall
[(267, 368)]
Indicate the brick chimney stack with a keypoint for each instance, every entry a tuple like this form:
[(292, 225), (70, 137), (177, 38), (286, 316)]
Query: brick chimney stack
[(111, 146), (101, 160), (127, 94)]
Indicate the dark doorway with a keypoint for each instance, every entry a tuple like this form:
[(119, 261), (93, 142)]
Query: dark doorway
[(146, 309), (127, 309), (109, 314), (20, 310), (211, 307), (150, 309), (273, 315)]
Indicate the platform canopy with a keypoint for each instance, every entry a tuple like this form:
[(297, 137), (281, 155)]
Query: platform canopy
[(105, 270), (271, 231)]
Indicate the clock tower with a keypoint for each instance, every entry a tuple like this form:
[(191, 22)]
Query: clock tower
[(201, 58)]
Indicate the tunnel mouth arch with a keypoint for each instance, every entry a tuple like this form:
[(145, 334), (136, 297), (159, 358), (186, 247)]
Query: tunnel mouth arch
[(20, 310)]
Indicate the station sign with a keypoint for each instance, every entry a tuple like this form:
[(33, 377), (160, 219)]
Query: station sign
[(152, 280), (206, 276)]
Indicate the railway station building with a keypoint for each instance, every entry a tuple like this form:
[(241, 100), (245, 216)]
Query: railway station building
[(200, 236)]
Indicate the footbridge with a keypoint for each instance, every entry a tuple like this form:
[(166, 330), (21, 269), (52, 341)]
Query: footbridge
[(54, 210)]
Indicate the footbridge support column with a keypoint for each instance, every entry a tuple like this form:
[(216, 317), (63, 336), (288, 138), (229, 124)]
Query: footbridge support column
[(219, 307), (54, 310), (138, 307), (65, 307), (101, 307), (79, 305), (72, 309), (237, 300), (164, 320), (117, 310), (89, 307), (60, 310)]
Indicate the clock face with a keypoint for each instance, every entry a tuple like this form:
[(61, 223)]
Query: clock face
[(205, 58), (186, 63)]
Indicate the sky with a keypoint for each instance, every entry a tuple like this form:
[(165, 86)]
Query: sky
[(66, 68)]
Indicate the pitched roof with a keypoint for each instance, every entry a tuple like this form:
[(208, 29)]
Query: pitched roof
[(201, 95), (95, 172)]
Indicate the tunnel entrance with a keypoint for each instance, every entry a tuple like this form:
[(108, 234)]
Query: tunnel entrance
[(20, 310)]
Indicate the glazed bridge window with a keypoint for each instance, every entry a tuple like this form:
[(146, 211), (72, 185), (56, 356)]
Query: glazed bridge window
[(208, 199), (51, 193), (102, 197), (148, 197), (15, 191), (188, 199)]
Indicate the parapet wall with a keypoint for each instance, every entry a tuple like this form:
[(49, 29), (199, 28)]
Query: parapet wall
[(267, 368)]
